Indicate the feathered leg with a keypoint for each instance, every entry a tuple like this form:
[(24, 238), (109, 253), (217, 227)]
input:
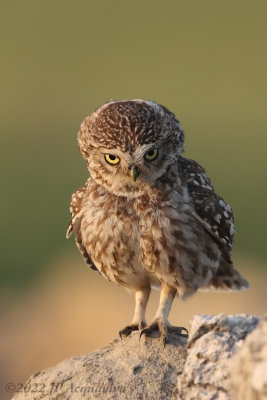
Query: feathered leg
[(139, 319), (160, 322)]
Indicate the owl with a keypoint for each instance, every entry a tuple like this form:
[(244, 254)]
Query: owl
[(148, 218)]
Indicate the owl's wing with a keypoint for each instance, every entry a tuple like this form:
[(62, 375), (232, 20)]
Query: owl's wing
[(213, 213), (75, 223)]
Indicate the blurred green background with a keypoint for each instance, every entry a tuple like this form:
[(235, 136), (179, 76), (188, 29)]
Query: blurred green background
[(204, 60)]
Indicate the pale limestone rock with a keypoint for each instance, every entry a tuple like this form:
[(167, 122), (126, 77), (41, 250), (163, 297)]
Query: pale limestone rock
[(249, 366), (125, 369), (221, 349), (212, 342)]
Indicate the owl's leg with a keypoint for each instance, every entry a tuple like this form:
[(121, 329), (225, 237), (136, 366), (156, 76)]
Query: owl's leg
[(160, 323), (139, 319)]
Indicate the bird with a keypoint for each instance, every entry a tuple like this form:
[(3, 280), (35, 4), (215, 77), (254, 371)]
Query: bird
[(147, 217)]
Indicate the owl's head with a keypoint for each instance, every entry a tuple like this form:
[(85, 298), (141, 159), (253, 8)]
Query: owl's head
[(130, 144)]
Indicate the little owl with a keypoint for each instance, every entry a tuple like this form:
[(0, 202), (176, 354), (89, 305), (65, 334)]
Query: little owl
[(148, 217)]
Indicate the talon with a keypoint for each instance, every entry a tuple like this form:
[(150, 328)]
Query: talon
[(130, 328), (183, 334), (141, 333), (178, 330), (149, 330), (145, 331)]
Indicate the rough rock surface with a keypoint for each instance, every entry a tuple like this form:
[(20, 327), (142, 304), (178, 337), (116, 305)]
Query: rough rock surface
[(146, 370), (249, 366), (212, 342), (125, 369)]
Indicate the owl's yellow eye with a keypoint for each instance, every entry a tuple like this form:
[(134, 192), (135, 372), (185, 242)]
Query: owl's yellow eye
[(111, 159), (151, 155)]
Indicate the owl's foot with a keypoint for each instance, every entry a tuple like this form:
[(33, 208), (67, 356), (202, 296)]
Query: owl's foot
[(131, 328), (164, 330)]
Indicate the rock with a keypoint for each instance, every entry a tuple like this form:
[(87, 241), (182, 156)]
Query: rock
[(125, 369), (212, 342), (249, 366), (145, 369)]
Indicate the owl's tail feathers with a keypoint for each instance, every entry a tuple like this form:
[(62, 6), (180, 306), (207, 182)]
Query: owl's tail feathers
[(227, 278)]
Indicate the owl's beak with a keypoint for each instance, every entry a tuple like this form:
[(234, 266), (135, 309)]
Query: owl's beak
[(134, 173)]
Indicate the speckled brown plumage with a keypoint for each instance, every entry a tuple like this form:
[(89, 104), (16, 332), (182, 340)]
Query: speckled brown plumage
[(148, 217)]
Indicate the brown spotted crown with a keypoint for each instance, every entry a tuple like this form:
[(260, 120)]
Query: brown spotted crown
[(129, 124)]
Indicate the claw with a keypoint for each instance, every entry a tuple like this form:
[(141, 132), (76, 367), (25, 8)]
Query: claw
[(131, 328), (155, 327), (128, 330), (178, 330), (145, 331)]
